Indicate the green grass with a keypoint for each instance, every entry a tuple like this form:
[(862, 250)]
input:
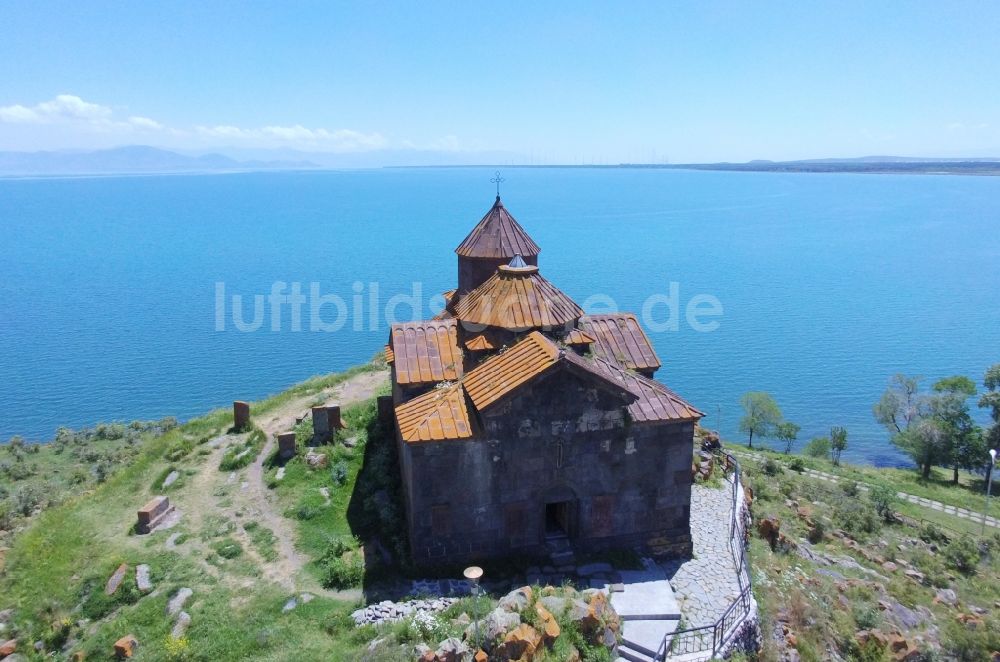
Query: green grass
[(243, 454), (824, 613), (58, 564), (969, 493)]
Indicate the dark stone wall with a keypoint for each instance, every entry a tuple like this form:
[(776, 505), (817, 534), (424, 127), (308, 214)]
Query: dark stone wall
[(474, 271), (559, 439)]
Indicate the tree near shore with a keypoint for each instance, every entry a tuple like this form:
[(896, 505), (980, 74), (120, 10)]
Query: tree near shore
[(901, 405), (762, 415), (991, 400), (838, 442), (787, 432), (949, 406)]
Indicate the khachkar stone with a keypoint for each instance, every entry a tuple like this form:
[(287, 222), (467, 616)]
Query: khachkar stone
[(153, 513), (321, 424), (333, 418), (286, 445), (241, 415)]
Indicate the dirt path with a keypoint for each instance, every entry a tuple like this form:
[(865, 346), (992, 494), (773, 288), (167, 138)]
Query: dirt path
[(260, 500)]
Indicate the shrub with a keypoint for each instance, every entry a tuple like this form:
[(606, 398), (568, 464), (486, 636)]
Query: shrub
[(929, 532), (865, 616), (818, 447), (228, 548), (797, 464), (339, 473), (884, 500), (857, 518), (817, 532), (962, 554), (26, 499), (343, 572), (850, 488), (772, 468)]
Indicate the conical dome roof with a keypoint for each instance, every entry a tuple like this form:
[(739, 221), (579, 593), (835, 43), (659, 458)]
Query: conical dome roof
[(497, 235), (517, 298)]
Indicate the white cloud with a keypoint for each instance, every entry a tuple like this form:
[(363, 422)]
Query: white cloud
[(65, 107), (84, 117), (144, 123), (340, 140)]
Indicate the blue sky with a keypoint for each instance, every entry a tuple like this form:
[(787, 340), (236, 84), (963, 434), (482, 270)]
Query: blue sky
[(570, 82)]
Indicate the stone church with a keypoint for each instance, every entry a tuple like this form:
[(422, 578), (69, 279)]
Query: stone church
[(525, 426)]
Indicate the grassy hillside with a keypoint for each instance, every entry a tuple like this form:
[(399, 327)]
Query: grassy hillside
[(857, 576), (223, 547)]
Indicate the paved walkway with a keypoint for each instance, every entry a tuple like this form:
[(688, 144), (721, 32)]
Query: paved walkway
[(964, 513), (706, 585)]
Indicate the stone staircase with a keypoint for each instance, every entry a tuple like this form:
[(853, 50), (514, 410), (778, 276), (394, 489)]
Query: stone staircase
[(560, 551), (649, 613)]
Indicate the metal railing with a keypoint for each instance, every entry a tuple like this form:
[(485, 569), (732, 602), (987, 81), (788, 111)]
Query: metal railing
[(712, 638)]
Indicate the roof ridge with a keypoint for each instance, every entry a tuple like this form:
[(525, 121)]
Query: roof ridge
[(498, 235)]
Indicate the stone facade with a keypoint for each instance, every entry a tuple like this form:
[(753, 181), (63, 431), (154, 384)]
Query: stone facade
[(560, 440), (526, 427)]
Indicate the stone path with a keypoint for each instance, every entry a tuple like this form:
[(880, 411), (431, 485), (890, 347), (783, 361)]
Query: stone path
[(964, 513), (706, 585)]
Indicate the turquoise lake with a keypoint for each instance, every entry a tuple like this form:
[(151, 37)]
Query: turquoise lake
[(829, 284)]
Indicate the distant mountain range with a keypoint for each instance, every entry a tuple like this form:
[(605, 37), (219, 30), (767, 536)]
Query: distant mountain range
[(127, 160), (866, 164), (141, 159)]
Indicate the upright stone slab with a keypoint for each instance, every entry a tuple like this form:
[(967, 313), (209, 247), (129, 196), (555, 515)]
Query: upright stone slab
[(286, 445), (321, 424), (241, 415), (333, 418), (152, 514), (385, 409)]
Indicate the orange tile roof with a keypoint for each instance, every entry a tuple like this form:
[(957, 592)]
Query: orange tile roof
[(438, 415), (499, 375), (497, 235), (578, 336), (479, 343), (390, 356), (517, 298), (426, 352), (620, 338), (654, 401)]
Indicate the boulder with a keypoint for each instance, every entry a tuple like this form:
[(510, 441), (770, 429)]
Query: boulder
[(520, 643), (946, 596), (142, 578), (116, 579), (126, 646), (554, 603), (181, 625), (316, 460), (970, 621), (493, 628), (902, 649), (769, 529), (864, 636), (177, 602), (517, 599), (550, 628), (453, 650), (8, 648)]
